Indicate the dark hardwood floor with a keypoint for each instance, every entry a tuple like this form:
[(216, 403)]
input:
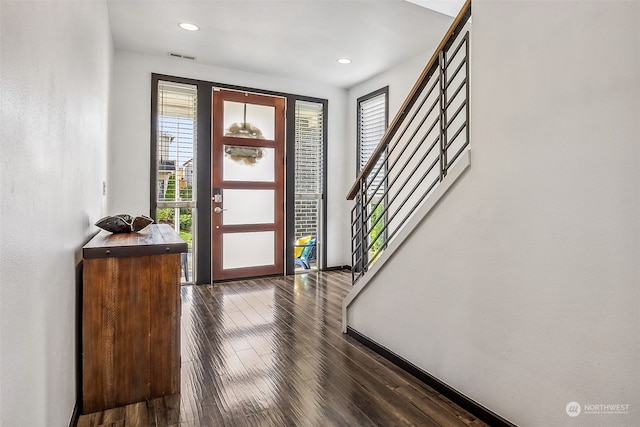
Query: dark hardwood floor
[(270, 352)]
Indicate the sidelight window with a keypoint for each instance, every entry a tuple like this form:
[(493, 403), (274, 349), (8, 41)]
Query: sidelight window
[(175, 162)]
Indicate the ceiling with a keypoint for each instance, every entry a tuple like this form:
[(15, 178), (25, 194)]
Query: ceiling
[(299, 39)]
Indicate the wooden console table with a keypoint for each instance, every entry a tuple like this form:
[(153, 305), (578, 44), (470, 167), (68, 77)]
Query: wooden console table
[(130, 317)]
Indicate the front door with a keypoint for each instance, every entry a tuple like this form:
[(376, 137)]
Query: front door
[(247, 211)]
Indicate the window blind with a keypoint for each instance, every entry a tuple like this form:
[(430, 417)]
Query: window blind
[(175, 145), (309, 119), (372, 123), (309, 171)]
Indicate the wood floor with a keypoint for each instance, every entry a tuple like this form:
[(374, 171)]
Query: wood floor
[(270, 352)]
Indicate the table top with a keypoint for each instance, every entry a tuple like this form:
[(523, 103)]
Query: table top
[(156, 239)]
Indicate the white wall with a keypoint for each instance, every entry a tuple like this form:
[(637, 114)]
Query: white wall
[(400, 80), (130, 143), (55, 73), (522, 289)]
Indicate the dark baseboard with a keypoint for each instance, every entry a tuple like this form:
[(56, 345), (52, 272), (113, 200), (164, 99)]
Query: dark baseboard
[(334, 268), (338, 267), (239, 279), (75, 416), (458, 398)]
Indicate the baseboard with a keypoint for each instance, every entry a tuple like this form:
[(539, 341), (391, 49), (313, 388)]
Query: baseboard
[(454, 395), (239, 279), (335, 268), (75, 416), (338, 267)]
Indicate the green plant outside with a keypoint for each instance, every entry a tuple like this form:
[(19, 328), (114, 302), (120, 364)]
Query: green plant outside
[(187, 237), (170, 194), (167, 216), (376, 234)]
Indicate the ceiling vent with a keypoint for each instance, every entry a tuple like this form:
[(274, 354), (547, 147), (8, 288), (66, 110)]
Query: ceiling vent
[(179, 55)]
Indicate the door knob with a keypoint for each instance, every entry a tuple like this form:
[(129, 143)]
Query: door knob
[(218, 209)]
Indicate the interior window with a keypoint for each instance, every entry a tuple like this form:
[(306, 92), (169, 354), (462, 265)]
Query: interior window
[(372, 122), (309, 143), (175, 163)]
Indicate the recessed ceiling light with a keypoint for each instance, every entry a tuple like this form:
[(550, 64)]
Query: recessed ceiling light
[(344, 61), (188, 26)]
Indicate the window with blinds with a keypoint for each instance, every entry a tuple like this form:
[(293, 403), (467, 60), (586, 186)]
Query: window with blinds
[(175, 146), (176, 161), (309, 127), (372, 123), (309, 171)]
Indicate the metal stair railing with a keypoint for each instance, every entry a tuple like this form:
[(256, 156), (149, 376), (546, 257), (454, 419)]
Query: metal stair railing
[(426, 137)]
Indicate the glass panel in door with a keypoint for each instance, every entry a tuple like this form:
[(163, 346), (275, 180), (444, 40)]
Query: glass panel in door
[(248, 185)]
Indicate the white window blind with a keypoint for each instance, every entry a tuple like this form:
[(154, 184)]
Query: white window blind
[(176, 137), (309, 120), (309, 171), (372, 122)]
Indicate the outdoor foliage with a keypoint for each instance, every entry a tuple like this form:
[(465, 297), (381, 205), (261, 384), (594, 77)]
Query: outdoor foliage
[(185, 219), (376, 235), (165, 216), (168, 215), (170, 194)]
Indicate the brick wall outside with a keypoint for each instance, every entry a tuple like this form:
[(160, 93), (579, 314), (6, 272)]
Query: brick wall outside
[(308, 176), (306, 218)]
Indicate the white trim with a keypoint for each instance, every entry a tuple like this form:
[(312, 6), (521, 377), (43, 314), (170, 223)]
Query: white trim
[(459, 168)]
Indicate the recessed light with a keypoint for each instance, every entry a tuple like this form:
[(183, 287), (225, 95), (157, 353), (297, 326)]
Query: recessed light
[(344, 61), (188, 26)]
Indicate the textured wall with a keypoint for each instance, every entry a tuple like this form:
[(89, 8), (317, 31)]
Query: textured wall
[(55, 72), (521, 289)]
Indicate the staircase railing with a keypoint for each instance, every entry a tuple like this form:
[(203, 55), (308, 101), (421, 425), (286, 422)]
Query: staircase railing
[(426, 137)]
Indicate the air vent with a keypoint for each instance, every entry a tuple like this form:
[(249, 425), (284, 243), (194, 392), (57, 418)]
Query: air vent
[(178, 55)]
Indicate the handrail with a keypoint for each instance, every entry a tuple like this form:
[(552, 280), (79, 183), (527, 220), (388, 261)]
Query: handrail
[(425, 141), (431, 67)]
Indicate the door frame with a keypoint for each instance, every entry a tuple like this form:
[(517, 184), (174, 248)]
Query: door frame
[(218, 141), (202, 216)]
